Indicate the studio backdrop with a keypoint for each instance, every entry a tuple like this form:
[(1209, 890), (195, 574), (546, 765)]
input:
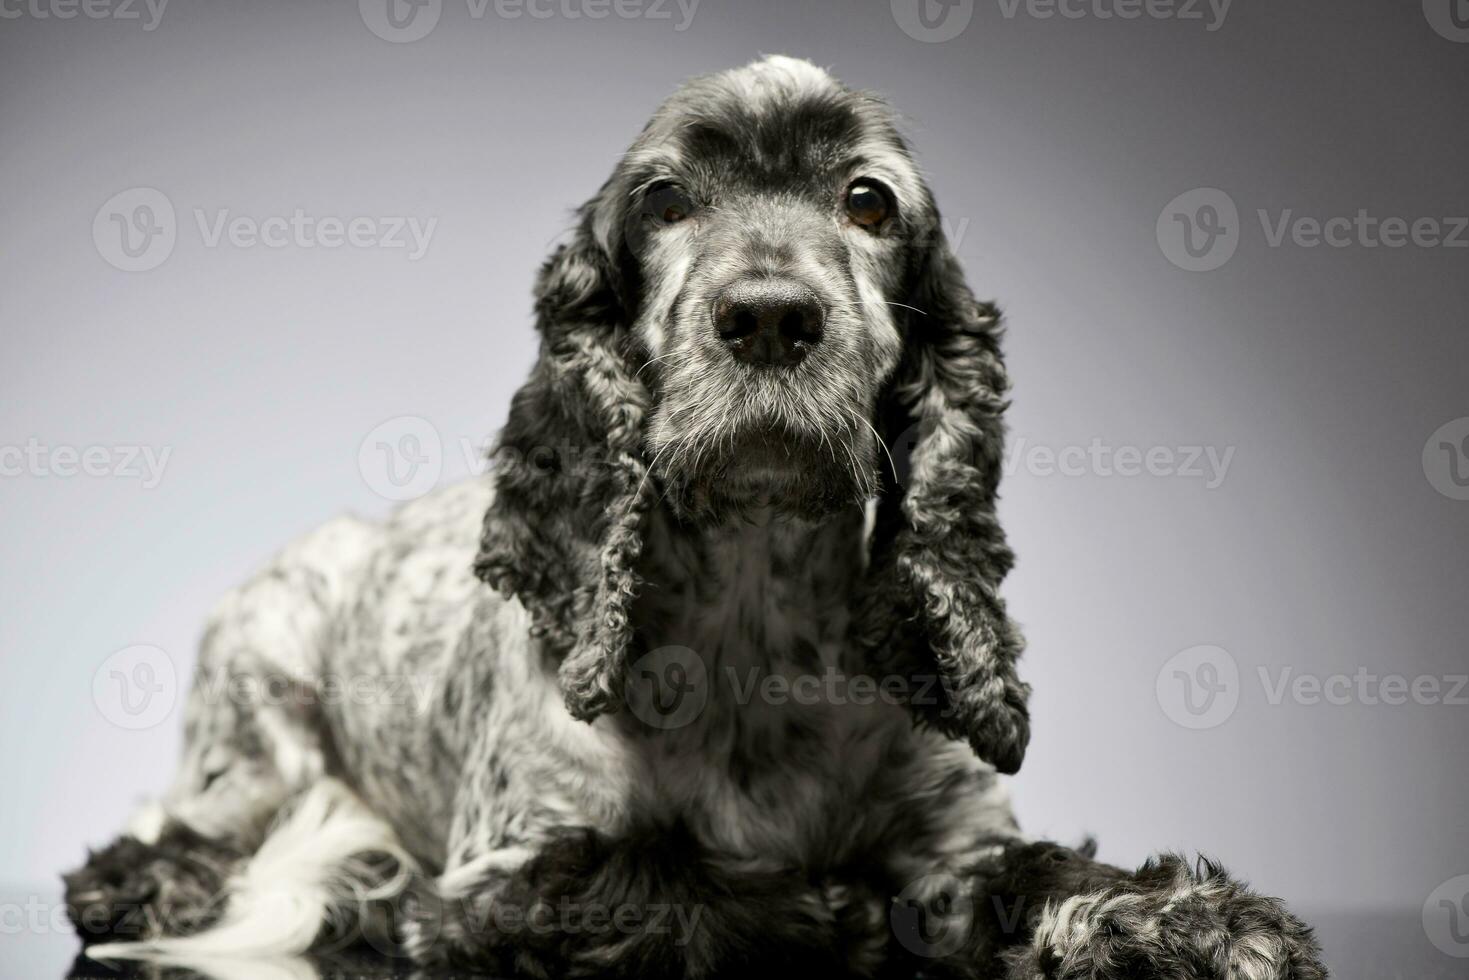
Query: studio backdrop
[(267, 262)]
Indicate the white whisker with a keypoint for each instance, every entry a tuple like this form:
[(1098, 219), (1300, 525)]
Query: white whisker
[(888, 452), (654, 360)]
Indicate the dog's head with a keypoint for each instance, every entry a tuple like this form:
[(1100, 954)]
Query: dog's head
[(758, 311)]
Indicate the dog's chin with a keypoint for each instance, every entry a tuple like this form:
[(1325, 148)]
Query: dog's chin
[(765, 474)]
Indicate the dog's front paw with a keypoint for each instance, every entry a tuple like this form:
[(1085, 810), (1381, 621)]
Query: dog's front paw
[(1169, 922), (131, 890)]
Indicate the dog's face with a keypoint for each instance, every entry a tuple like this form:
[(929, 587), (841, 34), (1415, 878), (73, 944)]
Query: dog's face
[(764, 225), (759, 291)]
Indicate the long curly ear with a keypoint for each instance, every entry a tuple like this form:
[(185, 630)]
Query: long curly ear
[(564, 532), (938, 553)]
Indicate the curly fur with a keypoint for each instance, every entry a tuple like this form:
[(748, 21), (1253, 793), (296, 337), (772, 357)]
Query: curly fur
[(939, 547), (572, 489), (1170, 920)]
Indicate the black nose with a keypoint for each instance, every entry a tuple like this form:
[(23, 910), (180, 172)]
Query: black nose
[(768, 321)]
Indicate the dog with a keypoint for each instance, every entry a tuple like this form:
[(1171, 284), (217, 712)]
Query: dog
[(712, 673)]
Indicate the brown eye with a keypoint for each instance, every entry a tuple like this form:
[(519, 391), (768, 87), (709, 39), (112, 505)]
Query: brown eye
[(867, 204), (667, 204)]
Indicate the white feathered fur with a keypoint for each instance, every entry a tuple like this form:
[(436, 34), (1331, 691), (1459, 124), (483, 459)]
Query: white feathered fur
[(314, 865)]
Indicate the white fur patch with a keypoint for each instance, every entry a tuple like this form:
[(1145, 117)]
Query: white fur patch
[(780, 76), (309, 869), (147, 823)]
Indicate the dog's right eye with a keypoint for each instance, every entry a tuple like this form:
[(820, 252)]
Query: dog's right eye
[(667, 204)]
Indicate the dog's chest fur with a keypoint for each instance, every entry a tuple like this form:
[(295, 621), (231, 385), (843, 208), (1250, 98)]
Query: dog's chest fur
[(773, 754)]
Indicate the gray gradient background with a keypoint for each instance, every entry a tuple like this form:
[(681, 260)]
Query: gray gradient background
[(1055, 142)]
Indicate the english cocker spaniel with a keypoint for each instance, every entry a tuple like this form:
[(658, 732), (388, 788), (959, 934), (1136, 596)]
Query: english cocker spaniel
[(713, 674)]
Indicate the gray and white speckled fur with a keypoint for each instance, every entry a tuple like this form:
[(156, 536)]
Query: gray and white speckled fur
[(449, 687)]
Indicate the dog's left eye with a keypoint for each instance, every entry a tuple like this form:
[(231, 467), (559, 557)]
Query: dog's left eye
[(867, 204), (667, 204)]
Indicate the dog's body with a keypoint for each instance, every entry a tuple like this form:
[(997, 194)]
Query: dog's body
[(692, 680)]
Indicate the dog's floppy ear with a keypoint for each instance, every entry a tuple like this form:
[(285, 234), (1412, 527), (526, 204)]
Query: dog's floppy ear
[(565, 529), (932, 600)]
